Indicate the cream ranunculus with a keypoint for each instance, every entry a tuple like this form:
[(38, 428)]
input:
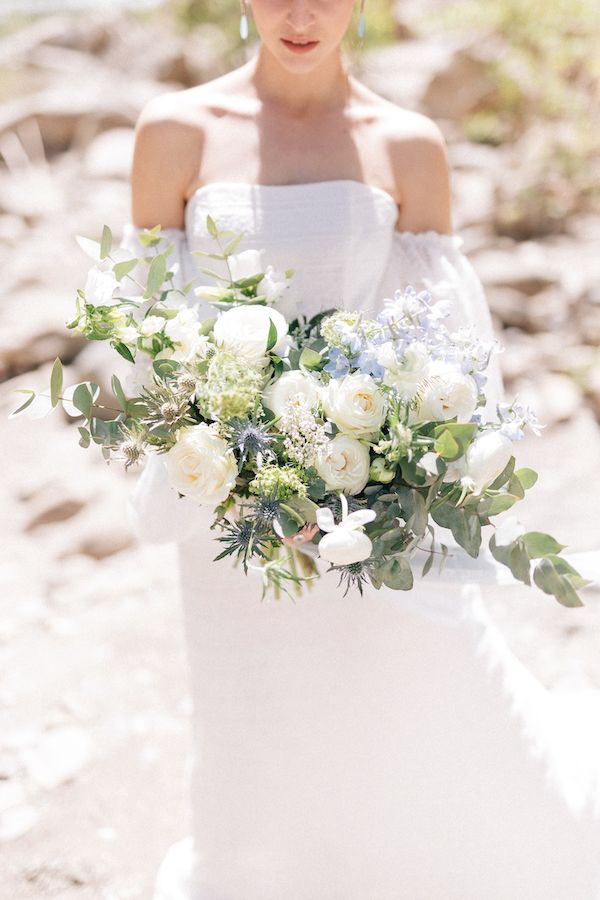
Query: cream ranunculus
[(450, 393), (201, 465), (345, 466), (404, 375), (277, 395), (355, 403), (245, 330)]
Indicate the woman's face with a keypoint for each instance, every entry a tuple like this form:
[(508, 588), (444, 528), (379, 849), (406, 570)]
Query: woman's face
[(322, 22)]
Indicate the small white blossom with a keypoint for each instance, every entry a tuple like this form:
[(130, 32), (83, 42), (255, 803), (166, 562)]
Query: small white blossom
[(306, 440), (151, 325)]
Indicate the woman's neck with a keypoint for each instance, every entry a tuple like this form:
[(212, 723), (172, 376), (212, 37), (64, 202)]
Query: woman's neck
[(326, 89)]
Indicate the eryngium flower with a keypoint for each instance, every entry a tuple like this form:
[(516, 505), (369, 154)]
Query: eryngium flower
[(245, 539), (354, 575), (250, 438)]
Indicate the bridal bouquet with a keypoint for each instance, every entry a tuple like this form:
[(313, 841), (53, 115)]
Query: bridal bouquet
[(342, 438)]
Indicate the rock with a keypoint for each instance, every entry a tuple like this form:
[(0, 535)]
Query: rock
[(402, 72), (506, 304), (460, 88), (31, 194), (522, 355), (17, 821), (555, 398), (58, 756), (101, 543), (21, 353), (110, 154), (592, 388), (528, 268), (71, 117), (12, 230), (473, 198), (56, 512)]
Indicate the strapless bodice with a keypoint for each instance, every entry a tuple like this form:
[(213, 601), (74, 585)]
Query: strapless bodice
[(336, 235)]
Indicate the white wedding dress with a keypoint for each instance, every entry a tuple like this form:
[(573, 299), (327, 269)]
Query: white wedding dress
[(383, 747)]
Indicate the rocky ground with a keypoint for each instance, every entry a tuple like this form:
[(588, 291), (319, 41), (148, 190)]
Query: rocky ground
[(94, 707)]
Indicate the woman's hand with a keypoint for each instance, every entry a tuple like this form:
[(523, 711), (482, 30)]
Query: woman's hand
[(303, 536)]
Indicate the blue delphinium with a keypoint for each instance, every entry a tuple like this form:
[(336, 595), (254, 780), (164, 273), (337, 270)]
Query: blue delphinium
[(338, 365)]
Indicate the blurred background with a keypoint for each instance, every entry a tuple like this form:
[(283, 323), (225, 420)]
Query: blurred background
[(94, 707)]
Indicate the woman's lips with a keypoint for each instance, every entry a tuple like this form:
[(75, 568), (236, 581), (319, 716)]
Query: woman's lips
[(299, 48)]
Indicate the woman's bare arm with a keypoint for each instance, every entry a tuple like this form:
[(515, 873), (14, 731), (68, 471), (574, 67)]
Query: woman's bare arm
[(419, 162), (165, 162)]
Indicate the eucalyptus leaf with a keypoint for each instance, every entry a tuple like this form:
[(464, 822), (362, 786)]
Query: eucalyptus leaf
[(150, 236), (310, 359), (121, 269), (446, 446), (272, 336), (124, 351), (156, 275), (551, 581), (493, 506), (428, 565), (56, 381), (165, 367), (232, 246), (519, 562), (24, 405), (105, 242), (540, 544), (84, 440), (287, 522), (212, 274), (527, 477), (207, 325), (504, 475), (396, 574), (118, 392), (84, 396)]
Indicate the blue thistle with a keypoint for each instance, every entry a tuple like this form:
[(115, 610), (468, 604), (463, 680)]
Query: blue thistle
[(249, 438)]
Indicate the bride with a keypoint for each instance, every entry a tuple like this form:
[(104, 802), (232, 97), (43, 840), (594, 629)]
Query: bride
[(387, 746)]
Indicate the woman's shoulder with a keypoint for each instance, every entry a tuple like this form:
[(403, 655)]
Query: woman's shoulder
[(190, 107), (397, 124)]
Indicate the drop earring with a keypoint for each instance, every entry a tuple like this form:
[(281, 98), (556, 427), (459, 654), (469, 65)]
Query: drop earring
[(244, 24), (361, 20)]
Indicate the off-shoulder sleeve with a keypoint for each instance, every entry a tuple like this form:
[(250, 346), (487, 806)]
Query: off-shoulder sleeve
[(435, 262), (156, 513)]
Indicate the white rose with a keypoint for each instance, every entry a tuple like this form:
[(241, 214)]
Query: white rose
[(245, 330), (201, 465), (246, 264), (486, 457), (450, 394), (100, 286), (345, 466), (151, 325), (406, 374), (355, 404), (277, 395)]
